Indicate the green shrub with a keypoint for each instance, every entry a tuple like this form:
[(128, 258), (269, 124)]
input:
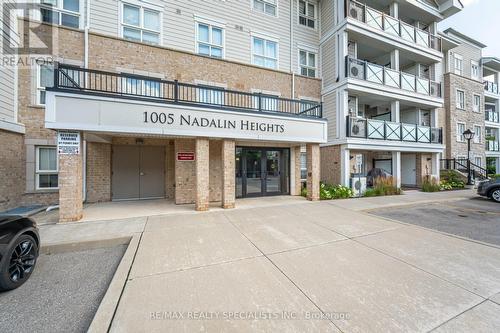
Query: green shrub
[(328, 192), (303, 191), (382, 186), (431, 186), (452, 185), (452, 176)]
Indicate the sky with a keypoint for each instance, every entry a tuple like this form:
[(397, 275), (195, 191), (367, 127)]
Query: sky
[(480, 19)]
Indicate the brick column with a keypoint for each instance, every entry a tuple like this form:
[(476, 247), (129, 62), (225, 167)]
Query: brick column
[(313, 174), (228, 174), (70, 188), (202, 149), (296, 168)]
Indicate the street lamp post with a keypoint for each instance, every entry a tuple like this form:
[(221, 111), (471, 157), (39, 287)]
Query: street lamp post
[(468, 135)]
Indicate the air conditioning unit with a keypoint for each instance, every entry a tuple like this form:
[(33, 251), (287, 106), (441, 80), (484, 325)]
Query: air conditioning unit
[(356, 71), (357, 184), (356, 12)]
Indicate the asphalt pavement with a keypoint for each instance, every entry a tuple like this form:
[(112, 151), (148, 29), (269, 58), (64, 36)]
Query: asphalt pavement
[(476, 218), (63, 293)]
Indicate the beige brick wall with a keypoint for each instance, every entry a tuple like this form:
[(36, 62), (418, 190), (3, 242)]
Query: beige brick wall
[(202, 170), (467, 116), (98, 172), (185, 173), (313, 171), (228, 174), (70, 188), (12, 169), (215, 169), (330, 165)]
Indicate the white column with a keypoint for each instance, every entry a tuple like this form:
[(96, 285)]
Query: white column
[(435, 169), (394, 9), (395, 114), (434, 118), (345, 166), (343, 52), (342, 112), (395, 60), (396, 168)]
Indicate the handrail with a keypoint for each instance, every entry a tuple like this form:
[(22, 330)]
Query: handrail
[(131, 86), (387, 130), (432, 41), (406, 81)]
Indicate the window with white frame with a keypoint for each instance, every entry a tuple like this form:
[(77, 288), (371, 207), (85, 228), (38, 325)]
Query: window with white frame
[(460, 132), (458, 64), (477, 134), (140, 24), (140, 87), (478, 161), (474, 69), (61, 12), (210, 95), (460, 100), (265, 53), (307, 62), (46, 168), (307, 14), (45, 79), (476, 107), (303, 166), (265, 6), (210, 40)]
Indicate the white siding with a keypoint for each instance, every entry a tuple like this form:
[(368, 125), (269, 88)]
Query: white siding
[(330, 113), (104, 17), (8, 73), (327, 16), (305, 37), (468, 52), (328, 62)]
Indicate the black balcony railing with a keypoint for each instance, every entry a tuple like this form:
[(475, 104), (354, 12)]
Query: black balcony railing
[(384, 22), (95, 82), (364, 70), (386, 130)]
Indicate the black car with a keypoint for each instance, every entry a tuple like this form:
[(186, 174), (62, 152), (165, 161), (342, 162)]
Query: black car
[(489, 188), (19, 246)]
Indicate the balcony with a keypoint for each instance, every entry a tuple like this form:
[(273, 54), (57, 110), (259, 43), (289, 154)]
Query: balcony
[(363, 70), (385, 130), (148, 89), (491, 87), (386, 23), (492, 146), (492, 116)]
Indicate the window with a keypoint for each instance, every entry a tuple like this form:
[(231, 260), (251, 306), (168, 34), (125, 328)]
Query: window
[(61, 12), (458, 64), (307, 62), (265, 53), (303, 166), (265, 6), (460, 132), (142, 87), (45, 78), (477, 103), (307, 14), (460, 100), (46, 168), (477, 134), (210, 40), (140, 24), (474, 69), (211, 95)]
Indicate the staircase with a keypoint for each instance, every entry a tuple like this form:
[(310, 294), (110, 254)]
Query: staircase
[(462, 166)]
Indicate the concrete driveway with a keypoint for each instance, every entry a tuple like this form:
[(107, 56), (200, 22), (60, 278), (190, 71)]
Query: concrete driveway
[(306, 267)]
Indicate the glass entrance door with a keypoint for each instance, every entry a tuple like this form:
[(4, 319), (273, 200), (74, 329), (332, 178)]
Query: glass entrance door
[(261, 171)]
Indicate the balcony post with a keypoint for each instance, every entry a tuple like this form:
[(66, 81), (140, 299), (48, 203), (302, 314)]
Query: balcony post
[(56, 75), (259, 101), (176, 91), (396, 168)]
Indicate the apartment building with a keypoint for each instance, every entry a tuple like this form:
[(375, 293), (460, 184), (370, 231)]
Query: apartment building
[(194, 102), (464, 98), (382, 88), (491, 80)]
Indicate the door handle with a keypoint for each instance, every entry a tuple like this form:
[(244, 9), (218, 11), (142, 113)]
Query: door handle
[(142, 173)]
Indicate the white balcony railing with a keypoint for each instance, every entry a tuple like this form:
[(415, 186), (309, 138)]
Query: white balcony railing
[(363, 70), (492, 116), (492, 146), (391, 25), (491, 87)]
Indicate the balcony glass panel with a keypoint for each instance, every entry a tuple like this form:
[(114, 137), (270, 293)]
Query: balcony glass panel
[(422, 86), (422, 37), (374, 73), (407, 81), (393, 131), (492, 116), (392, 78), (423, 134), (491, 87), (391, 25), (375, 129), (409, 132), (407, 32), (374, 18)]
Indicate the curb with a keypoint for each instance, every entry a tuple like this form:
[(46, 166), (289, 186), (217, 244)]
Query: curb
[(109, 303), (82, 246)]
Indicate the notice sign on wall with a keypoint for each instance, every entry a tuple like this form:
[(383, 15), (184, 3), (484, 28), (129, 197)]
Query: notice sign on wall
[(68, 143), (185, 156)]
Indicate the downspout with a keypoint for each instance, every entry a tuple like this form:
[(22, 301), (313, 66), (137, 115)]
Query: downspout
[(86, 65), (291, 50)]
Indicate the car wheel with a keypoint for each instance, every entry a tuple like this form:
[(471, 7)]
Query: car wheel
[(19, 263), (495, 195)]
